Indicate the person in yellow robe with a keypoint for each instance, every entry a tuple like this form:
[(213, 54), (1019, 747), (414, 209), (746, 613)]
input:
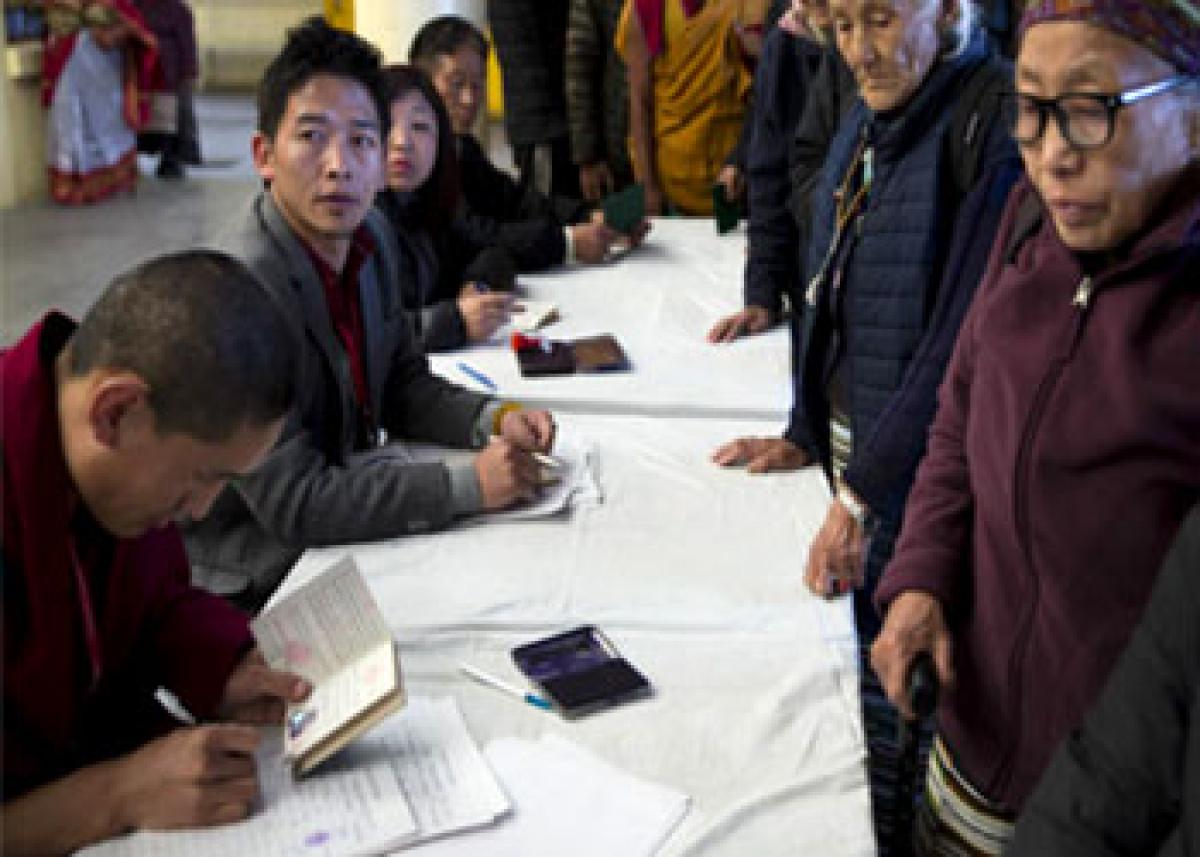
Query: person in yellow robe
[(688, 82)]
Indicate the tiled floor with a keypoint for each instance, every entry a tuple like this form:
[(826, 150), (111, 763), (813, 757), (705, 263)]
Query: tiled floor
[(57, 257)]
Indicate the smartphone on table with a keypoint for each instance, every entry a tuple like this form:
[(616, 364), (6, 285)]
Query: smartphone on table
[(580, 671)]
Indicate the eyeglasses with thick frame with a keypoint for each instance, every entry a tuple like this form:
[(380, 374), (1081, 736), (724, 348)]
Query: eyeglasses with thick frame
[(1086, 120)]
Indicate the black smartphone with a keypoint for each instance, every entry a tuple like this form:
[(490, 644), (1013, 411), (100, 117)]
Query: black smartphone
[(580, 671), (551, 358)]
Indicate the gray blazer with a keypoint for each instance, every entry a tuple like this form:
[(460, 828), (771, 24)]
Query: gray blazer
[(310, 491)]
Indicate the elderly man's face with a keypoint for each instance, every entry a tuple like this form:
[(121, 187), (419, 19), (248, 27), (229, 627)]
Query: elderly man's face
[(890, 45), (460, 78), (1099, 197)]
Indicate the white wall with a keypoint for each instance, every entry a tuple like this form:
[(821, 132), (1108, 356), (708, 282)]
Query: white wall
[(22, 124), (391, 24), (237, 38)]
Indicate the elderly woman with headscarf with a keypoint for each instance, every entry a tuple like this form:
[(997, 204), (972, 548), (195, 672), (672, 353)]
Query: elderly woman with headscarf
[(1066, 447)]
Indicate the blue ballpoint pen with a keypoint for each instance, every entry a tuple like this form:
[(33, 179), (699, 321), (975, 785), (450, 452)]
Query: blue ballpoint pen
[(501, 685), (475, 375)]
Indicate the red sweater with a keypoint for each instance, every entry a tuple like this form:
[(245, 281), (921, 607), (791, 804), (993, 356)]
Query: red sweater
[(1064, 455), (153, 629)]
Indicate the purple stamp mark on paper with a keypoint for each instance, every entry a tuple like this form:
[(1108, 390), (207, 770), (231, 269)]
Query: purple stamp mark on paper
[(296, 652), (317, 838)]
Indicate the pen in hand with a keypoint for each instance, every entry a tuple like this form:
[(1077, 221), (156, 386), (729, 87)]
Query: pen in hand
[(489, 680)]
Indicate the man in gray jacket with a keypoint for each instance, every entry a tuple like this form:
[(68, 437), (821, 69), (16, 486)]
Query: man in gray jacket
[(331, 263)]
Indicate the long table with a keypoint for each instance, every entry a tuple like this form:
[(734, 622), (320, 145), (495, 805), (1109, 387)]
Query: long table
[(659, 301), (695, 572)]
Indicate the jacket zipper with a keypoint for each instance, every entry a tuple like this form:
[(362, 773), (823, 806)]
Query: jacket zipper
[(1081, 301)]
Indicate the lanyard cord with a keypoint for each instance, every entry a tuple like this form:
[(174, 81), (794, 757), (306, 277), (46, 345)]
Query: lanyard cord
[(847, 209), (90, 635)]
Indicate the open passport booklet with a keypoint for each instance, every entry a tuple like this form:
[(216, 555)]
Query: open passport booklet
[(417, 776), (332, 632)]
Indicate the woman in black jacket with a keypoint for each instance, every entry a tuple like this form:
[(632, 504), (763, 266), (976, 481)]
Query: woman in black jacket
[(448, 279)]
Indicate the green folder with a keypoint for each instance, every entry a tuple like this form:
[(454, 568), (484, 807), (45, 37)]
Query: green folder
[(726, 213), (624, 210)]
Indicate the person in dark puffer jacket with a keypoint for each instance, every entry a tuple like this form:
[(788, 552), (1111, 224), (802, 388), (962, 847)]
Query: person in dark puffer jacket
[(531, 43), (597, 99), (885, 293), (896, 247), (792, 54), (1128, 782)]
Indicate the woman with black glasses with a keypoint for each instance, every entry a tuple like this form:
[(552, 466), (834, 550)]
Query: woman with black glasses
[(1066, 448)]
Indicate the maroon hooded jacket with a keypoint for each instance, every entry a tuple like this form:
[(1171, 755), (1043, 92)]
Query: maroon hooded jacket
[(1064, 455), (153, 629)]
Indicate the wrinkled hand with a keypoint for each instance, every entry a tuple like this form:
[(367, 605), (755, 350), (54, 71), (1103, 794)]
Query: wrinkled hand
[(506, 474), (483, 312), (835, 557), (915, 623), (733, 181), (258, 695), (592, 241), (532, 431), (753, 319), (595, 181), (193, 777), (762, 454)]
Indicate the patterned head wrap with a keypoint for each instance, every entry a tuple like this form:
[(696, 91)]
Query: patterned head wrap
[(1168, 28)]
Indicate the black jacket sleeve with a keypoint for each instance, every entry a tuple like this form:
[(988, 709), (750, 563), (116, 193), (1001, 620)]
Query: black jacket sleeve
[(780, 88), (882, 464), (1129, 781), (741, 149), (442, 327), (831, 94), (491, 192), (531, 39), (534, 244)]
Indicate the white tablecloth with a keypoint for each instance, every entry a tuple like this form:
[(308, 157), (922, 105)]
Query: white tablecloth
[(695, 573), (659, 301)]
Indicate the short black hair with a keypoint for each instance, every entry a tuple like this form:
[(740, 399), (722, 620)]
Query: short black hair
[(312, 49), (438, 198), (444, 35), (211, 344)]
